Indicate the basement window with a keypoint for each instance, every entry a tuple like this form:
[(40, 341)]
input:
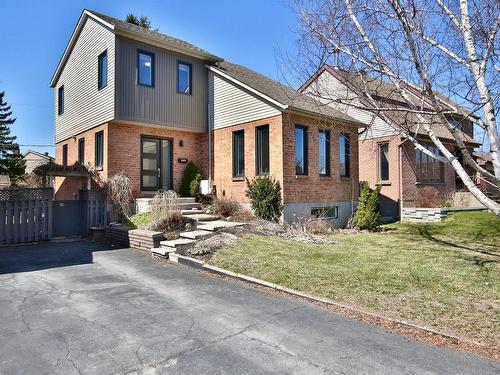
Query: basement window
[(325, 212)]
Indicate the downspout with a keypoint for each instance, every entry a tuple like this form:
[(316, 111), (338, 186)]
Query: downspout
[(400, 167), (209, 105)]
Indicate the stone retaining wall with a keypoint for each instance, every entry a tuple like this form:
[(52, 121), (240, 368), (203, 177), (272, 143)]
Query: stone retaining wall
[(136, 238), (432, 214)]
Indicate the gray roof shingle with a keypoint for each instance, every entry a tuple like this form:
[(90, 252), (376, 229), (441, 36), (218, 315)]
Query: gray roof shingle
[(163, 38), (282, 93)]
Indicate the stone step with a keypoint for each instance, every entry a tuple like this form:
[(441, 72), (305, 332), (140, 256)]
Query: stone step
[(204, 217), (188, 206), (196, 234), (218, 224), (163, 251), (186, 200), (178, 244), (192, 211)]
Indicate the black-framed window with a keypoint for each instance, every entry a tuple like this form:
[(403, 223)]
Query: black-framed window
[(262, 150), (428, 168), (99, 149), (383, 161), (239, 153), (301, 150), (60, 100), (145, 68), (344, 153), (81, 150), (325, 212), (65, 155), (102, 70), (324, 152), (184, 78)]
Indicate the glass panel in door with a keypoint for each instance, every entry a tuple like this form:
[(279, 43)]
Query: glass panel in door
[(150, 164), (166, 164)]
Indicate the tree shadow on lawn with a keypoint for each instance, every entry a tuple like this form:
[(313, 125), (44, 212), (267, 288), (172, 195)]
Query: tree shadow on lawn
[(425, 232)]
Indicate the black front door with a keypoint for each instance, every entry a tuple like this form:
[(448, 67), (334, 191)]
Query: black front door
[(156, 164)]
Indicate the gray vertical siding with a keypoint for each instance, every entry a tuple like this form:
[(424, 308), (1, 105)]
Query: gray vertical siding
[(232, 105), (84, 105), (160, 104)]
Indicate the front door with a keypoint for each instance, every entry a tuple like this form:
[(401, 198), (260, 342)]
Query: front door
[(156, 164)]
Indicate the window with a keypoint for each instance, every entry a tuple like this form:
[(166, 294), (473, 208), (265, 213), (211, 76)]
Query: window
[(344, 149), (262, 149), (383, 160), (429, 169), (99, 149), (239, 154), (145, 68), (102, 70), (300, 150), (60, 100), (65, 155), (81, 150), (325, 212), (324, 152), (184, 78)]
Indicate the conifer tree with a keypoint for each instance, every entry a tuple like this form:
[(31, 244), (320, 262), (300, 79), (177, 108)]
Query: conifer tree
[(11, 163)]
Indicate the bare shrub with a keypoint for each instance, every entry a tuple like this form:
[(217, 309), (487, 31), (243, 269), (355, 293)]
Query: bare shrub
[(318, 226), (243, 215), (120, 192), (226, 207), (297, 231), (212, 244), (164, 205)]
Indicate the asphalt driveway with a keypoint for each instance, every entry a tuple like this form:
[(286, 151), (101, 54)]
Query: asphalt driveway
[(81, 308)]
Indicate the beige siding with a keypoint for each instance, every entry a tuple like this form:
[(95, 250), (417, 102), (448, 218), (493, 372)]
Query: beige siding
[(84, 105), (327, 88), (232, 105), (161, 104)]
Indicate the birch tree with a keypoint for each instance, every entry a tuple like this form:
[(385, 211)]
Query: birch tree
[(428, 51)]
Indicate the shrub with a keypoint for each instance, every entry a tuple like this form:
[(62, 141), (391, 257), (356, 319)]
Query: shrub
[(194, 187), (318, 226), (189, 174), (226, 207), (368, 215), (265, 198), (163, 206), (120, 192)]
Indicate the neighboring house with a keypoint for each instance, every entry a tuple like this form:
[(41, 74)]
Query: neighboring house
[(408, 177), (131, 99), (4, 181), (35, 159)]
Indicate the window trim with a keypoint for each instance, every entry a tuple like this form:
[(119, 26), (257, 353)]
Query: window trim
[(100, 71), (179, 62), (234, 156), (347, 150), (257, 128), (60, 100), (65, 155), (327, 152), (380, 145), (100, 133), (152, 55), (81, 150), (305, 150)]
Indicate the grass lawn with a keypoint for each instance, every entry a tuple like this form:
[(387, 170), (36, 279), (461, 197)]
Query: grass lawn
[(444, 275)]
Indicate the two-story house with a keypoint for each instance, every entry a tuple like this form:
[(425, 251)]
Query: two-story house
[(386, 157), (134, 100)]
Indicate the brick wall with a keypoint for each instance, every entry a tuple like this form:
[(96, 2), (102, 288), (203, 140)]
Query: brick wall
[(67, 188), (313, 188), (223, 160)]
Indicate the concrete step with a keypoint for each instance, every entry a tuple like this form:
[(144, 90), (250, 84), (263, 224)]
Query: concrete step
[(163, 251), (188, 206), (186, 200), (204, 217), (192, 211), (196, 234), (178, 244), (212, 226)]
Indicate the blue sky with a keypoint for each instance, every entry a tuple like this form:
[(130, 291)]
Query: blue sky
[(35, 33)]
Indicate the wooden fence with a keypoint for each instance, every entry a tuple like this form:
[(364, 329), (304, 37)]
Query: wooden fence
[(25, 215), (93, 209)]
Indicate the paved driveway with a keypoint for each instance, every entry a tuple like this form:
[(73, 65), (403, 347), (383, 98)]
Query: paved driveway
[(81, 308)]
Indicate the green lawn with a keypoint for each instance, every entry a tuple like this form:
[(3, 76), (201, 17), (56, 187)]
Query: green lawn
[(444, 275)]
